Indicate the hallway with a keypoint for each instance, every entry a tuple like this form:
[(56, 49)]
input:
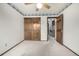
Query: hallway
[(39, 48)]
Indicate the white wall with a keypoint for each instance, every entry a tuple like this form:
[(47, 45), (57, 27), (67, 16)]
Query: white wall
[(43, 28), (11, 27), (71, 27)]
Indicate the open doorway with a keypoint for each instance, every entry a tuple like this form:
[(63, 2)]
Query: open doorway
[(32, 28), (55, 28), (51, 27)]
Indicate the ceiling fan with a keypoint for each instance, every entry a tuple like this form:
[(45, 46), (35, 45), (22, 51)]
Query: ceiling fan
[(40, 5)]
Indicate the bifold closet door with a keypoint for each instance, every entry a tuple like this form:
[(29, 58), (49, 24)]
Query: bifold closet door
[(36, 29), (28, 29), (32, 28)]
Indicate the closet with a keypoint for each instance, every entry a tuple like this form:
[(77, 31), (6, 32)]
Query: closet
[(32, 28)]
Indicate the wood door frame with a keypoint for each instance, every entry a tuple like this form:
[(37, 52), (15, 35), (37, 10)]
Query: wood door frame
[(40, 26)]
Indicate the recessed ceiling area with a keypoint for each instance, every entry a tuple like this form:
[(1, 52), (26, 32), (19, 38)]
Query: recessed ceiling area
[(31, 8)]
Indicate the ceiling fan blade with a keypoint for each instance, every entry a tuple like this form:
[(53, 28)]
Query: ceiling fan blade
[(46, 6)]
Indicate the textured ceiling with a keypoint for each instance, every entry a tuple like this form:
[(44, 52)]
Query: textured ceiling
[(30, 9)]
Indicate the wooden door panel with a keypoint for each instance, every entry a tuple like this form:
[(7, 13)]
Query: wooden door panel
[(27, 29), (36, 24), (28, 35), (36, 35), (36, 29), (59, 26), (59, 37), (28, 25)]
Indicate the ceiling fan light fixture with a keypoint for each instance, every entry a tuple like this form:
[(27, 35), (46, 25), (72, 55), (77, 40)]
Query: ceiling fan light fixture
[(39, 5)]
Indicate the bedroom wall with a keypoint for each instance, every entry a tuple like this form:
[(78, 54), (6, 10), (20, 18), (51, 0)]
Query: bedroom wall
[(44, 28), (11, 27), (71, 27)]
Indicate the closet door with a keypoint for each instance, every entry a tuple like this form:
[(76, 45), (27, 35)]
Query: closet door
[(32, 28), (36, 29), (28, 29)]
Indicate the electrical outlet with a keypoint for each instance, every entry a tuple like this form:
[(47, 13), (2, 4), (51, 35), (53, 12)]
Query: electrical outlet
[(6, 45)]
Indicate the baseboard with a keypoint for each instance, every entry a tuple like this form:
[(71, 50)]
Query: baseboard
[(44, 40), (70, 50), (11, 48)]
